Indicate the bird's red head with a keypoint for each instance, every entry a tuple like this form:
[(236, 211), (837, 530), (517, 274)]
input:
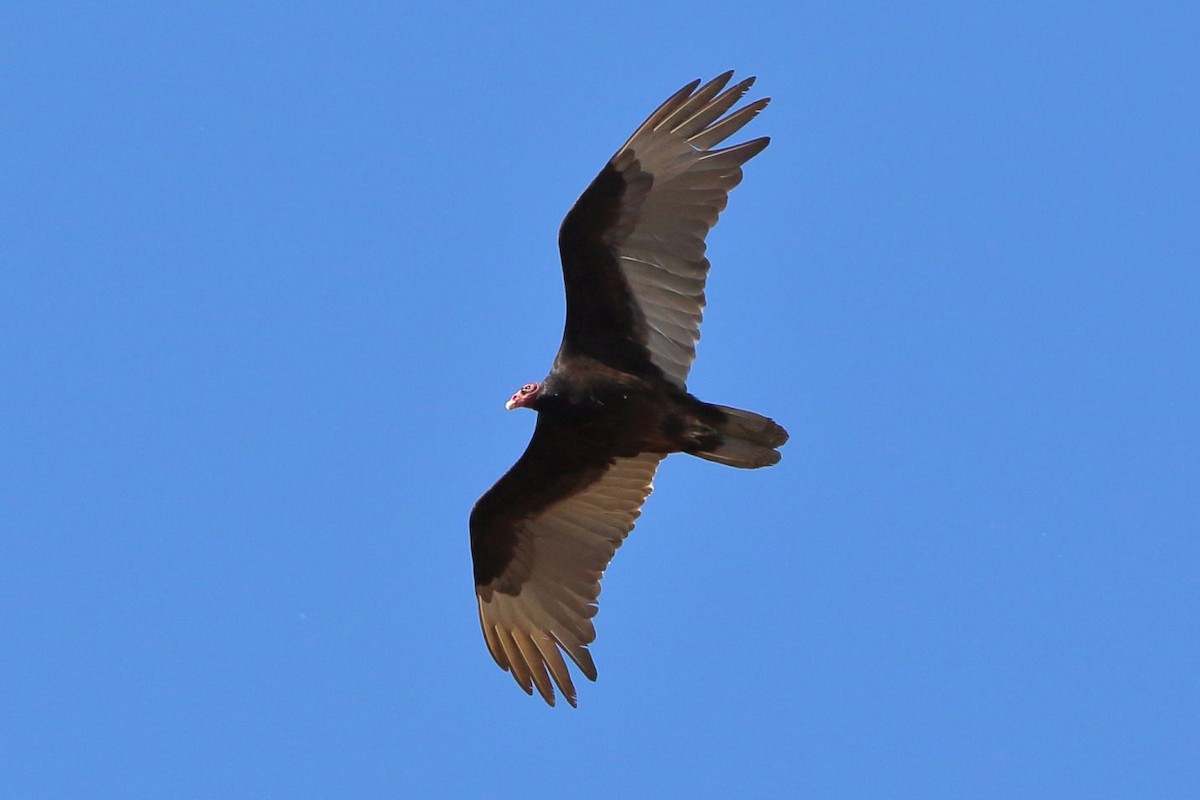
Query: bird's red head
[(524, 396)]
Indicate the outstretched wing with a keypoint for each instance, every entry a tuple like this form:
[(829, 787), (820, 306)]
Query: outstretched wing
[(540, 540), (633, 245)]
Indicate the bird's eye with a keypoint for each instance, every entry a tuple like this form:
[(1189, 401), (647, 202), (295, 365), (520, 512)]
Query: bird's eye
[(527, 388)]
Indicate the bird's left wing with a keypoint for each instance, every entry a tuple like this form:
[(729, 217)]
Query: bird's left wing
[(632, 247), (541, 539)]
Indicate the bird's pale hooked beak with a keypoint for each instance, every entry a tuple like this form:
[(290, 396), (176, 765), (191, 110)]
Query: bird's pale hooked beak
[(511, 404)]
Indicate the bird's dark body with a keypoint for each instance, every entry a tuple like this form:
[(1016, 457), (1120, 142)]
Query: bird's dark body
[(621, 415), (595, 414)]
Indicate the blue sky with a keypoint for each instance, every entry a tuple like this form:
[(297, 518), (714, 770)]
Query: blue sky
[(270, 275)]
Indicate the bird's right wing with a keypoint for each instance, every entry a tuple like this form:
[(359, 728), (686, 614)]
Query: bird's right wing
[(541, 539)]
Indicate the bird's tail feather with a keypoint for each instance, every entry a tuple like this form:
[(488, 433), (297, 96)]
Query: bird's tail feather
[(746, 440)]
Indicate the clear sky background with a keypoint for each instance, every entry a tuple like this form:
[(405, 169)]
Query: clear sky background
[(268, 276)]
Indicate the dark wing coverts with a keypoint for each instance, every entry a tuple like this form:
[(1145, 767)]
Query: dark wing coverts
[(634, 270)]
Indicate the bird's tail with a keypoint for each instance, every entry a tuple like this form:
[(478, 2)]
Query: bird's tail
[(745, 439)]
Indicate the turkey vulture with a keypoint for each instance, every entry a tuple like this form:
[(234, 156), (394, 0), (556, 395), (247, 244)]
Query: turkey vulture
[(615, 402)]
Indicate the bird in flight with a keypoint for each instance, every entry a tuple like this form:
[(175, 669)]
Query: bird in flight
[(615, 402)]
